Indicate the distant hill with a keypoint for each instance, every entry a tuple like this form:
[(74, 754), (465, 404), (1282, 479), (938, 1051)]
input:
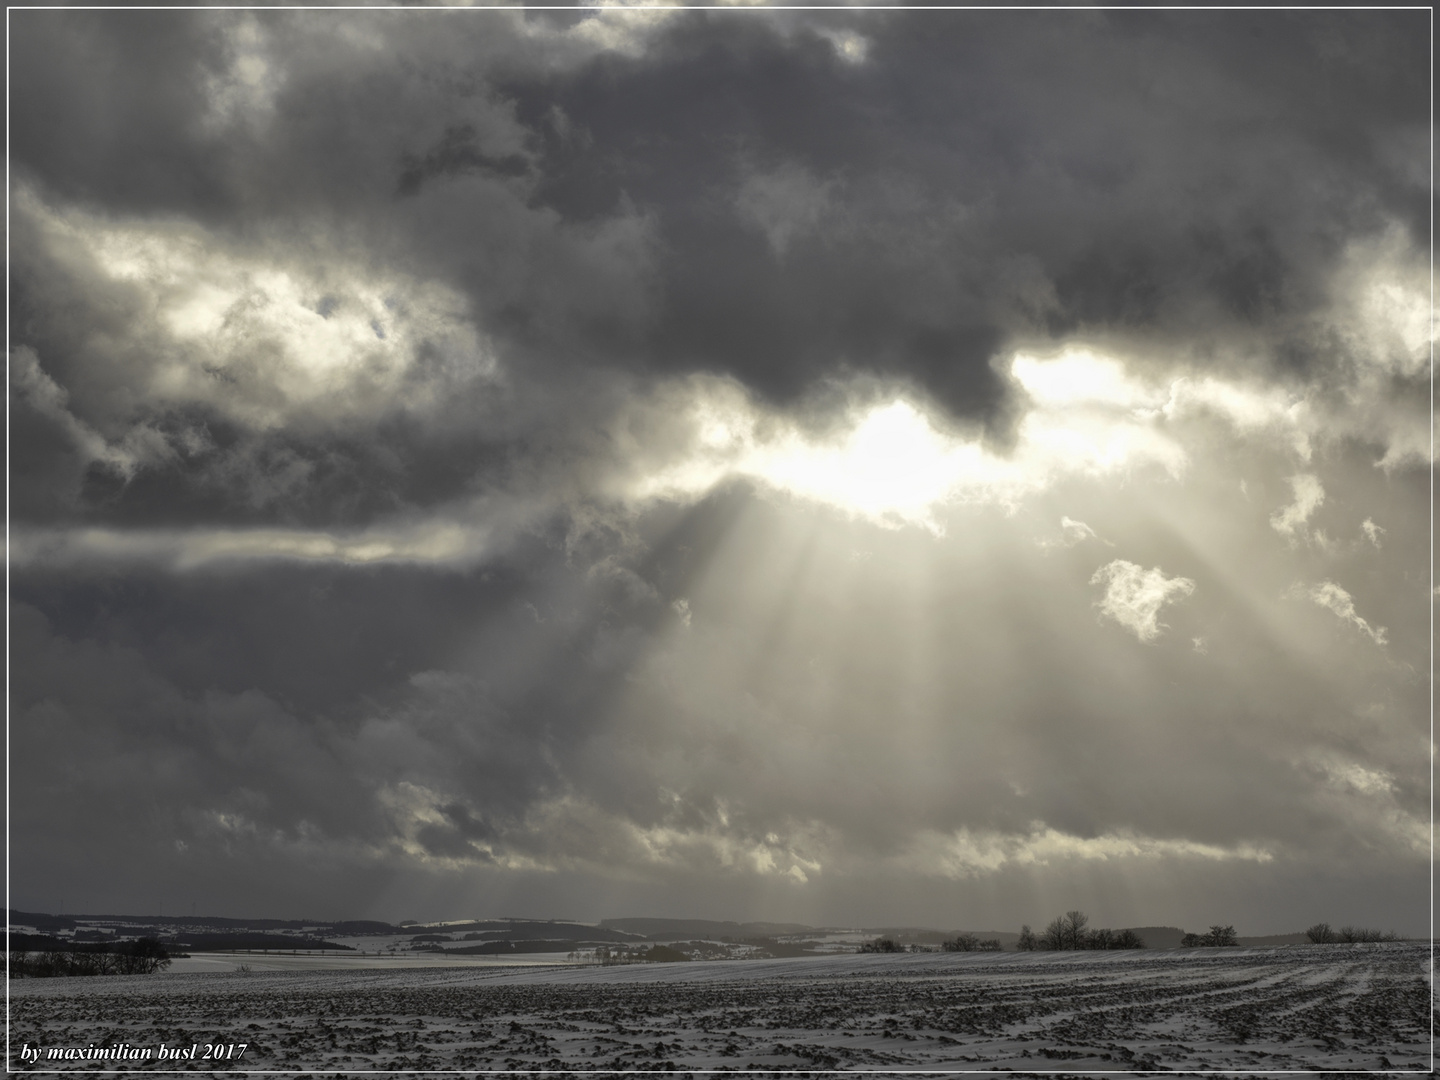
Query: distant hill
[(228, 942), (213, 925), (211, 922), (1158, 937), (924, 936), (682, 929), (362, 926), (38, 921), (502, 935), (1297, 938), (529, 930), (497, 948), (36, 943)]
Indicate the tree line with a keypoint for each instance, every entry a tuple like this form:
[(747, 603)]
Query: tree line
[(1071, 931), (971, 943), (143, 957), (1321, 934)]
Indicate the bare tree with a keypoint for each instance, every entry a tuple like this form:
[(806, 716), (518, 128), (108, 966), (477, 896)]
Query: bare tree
[(962, 943), (1066, 932), (1360, 933), (1054, 935), (882, 945), (1217, 935), (1127, 939)]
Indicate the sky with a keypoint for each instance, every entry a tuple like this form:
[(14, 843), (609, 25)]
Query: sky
[(853, 467)]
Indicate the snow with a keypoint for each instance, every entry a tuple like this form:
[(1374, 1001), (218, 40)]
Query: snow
[(339, 961), (1352, 1008)]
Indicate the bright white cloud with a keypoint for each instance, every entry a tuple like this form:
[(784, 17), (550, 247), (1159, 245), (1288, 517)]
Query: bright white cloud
[(437, 541), (767, 856), (888, 462), (262, 341), (1291, 521), (1249, 409), (893, 462), (568, 833), (1080, 377), (1357, 777), (413, 809), (969, 853), (616, 26), (1076, 531), (1133, 597), (1381, 325), (1072, 532), (1335, 599), (1372, 531), (1371, 798), (1382, 305)]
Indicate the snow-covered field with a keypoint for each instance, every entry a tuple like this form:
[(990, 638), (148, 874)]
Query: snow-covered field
[(1360, 1007), (338, 961)]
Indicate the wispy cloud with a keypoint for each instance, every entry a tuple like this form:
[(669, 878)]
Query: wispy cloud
[(1134, 596), (1292, 521), (1334, 598), (972, 853), (435, 542)]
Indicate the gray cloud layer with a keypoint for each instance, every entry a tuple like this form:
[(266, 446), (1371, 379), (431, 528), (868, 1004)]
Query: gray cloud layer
[(745, 458)]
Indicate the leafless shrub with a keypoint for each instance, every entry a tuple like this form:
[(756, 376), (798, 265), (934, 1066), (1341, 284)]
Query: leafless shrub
[(1360, 933), (882, 945), (972, 943), (1322, 934)]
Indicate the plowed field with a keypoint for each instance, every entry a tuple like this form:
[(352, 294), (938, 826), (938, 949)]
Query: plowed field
[(1349, 1008)]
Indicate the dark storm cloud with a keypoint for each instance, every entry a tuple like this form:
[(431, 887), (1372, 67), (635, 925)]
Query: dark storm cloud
[(107, 107), (303, 714), (992, 174), (411, 480), (729, 192), (1002, 173)]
